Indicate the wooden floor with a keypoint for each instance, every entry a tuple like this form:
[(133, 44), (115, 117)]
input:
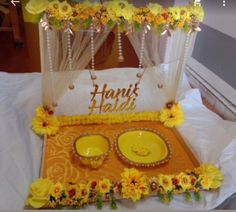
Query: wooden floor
[(14, 59)]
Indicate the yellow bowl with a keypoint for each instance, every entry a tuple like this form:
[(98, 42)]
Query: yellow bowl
[(91, 150), (143, 147)]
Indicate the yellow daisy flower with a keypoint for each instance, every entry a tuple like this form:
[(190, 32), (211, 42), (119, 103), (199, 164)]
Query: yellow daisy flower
[(165, 181), (83, 191), (175, 11), (45, 126), (206, 181), (43, 112), (184, 181), (211, 172), (197, 11), (172, 116), (184, 13), (104, 186), (65, 9), (56, 190), (53, 6), (134, 184)]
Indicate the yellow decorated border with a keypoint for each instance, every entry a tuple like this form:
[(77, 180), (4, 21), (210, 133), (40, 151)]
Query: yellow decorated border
[(45, 123), (64, 15), (133, 185)]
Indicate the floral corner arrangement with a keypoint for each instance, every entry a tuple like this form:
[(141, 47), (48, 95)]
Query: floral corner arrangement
[(133, 185), (45, 123), (64, 14)]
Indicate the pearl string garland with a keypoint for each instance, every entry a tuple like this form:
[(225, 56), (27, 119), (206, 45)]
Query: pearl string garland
[(71, 85), (140, 72), (120, 58), (120, 52), (54, 104), (182, 65), (92, 71)]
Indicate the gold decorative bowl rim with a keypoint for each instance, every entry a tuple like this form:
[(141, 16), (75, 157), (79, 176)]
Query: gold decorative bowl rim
[(91, 158), (146, 165)]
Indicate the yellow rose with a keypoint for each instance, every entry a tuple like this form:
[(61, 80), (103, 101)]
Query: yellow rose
[(155, 8), (39, 193), (120, 8), (36, 7)]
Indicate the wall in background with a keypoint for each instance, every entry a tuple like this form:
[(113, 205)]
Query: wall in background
[(217, 51)]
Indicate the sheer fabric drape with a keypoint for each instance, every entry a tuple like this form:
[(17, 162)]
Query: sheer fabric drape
[(165, 55), (54, 85)]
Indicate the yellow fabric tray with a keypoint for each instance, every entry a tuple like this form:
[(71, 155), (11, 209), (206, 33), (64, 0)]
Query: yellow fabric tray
[(60, 164)]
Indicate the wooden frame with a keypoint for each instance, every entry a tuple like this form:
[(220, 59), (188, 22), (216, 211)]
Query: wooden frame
[(14, 21)]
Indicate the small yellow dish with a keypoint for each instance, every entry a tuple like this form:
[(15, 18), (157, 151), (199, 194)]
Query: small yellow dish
[(92, 149), (143, 147)]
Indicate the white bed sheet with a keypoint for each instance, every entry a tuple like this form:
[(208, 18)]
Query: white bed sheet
[(211, 138)]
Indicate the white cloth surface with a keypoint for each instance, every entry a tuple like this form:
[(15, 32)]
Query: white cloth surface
[(211, 138)]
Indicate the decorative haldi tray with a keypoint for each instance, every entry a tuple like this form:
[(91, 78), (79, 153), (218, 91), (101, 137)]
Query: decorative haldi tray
[(107, 154), (166, 150)]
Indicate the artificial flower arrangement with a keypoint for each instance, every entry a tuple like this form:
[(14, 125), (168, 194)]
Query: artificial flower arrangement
[(65, 14), (45, 123), (133, 185)]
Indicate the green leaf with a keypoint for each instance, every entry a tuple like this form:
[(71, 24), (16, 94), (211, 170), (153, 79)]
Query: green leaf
[(198, 196), (99, 202), (110, 23), (160, 29), (59, 207), (170, 196), (186, 27), (88, 22), (77, 207), (137, 26), (165, 198), (113, 203), (188, 196), (58, 24)]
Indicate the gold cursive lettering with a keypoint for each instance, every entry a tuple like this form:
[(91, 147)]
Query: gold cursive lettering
[(124, 99)]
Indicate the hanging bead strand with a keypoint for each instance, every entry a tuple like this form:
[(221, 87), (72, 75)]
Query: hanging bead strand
[(69, 49), (120, 50), (52, 85), (182, 65), (140, 72), (92, 71)]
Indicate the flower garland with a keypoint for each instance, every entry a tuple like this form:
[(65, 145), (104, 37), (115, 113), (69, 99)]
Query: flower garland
[(129, 17), (44, 123), (133, 185)]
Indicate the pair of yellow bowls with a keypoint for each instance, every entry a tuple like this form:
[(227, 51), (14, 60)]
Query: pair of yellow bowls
[(137, 147)]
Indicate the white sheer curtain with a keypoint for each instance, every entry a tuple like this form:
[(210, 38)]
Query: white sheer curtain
[(165, 55), (55, 84)]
